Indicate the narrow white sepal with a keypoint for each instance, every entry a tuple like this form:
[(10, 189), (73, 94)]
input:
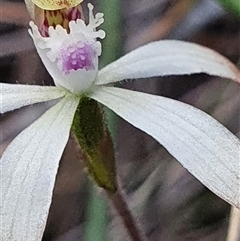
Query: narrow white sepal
[(14, 96), (28, 170), (168, 57), (201, 144)]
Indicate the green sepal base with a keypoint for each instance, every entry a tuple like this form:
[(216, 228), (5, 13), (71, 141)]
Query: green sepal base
[(93, 137)]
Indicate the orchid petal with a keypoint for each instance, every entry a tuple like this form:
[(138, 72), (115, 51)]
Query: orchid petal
[(168, 57), (28, 170), (14, 96), (201, 144)]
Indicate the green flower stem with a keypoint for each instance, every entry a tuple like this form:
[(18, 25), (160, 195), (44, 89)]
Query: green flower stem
[(96, 218), (120, 205)]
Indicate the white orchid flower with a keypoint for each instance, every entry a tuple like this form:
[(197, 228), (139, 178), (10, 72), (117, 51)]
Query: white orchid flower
[(29, 164)]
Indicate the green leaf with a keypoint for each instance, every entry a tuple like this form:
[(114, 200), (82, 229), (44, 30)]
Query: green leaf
[(231, 5), (112, 25)]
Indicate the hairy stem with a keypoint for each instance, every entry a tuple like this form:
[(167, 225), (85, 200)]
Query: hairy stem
[(120, 205)]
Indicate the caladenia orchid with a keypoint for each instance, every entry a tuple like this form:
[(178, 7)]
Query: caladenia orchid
[(70, 54)]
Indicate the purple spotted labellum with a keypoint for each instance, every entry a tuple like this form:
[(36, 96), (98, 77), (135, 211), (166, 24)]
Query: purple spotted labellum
[(71, 55)]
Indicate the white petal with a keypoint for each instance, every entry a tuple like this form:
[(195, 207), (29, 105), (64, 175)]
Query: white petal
[(14, 96), (28, 170), (201, 144), (168, 57)]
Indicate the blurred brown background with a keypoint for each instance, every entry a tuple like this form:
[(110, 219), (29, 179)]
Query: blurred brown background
[(168, 202)]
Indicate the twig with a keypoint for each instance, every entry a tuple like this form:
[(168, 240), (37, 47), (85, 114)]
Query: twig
[(234, 225)]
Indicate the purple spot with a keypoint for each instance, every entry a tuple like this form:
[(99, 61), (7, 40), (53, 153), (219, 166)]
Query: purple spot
[(76, 56)]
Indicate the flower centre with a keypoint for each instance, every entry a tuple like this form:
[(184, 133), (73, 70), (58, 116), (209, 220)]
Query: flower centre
[(76, 56), (71, 55)]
